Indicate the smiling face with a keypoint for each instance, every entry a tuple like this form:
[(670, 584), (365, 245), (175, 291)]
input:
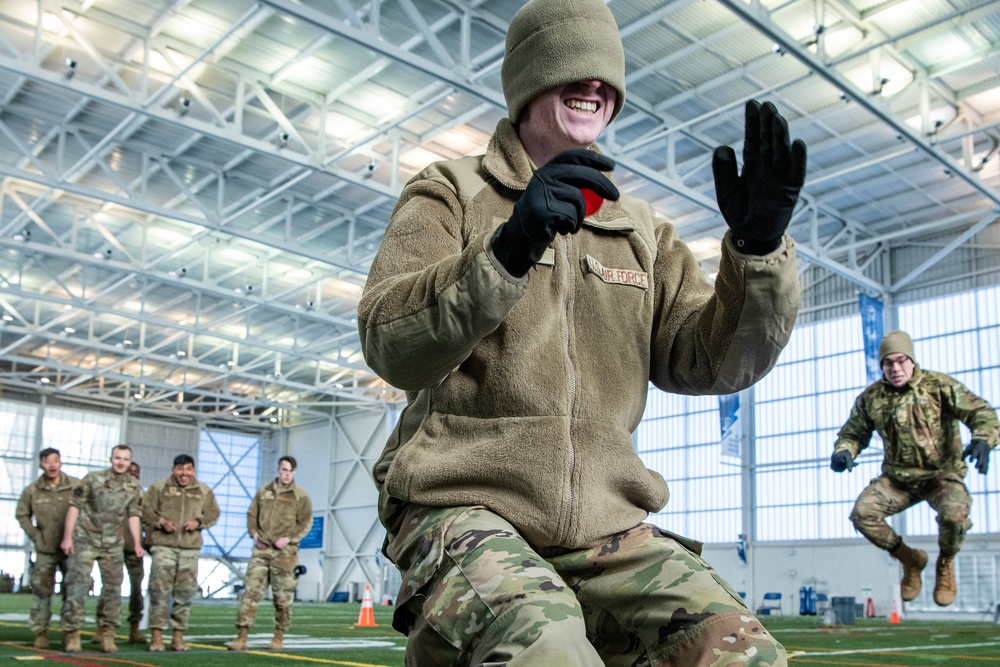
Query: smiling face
[(183, 473), (898, 368), (120, 460), (565, 117)]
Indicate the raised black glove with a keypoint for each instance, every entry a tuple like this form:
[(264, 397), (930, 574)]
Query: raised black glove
[(979, 452), (758, 203), (551, 204), (841, 461)]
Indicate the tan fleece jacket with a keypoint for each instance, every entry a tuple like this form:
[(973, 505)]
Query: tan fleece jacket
[(523, 393), (279, 511), (178, 504), (41, 511)]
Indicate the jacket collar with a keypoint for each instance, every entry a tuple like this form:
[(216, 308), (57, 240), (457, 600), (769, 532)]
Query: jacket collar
[(918, 375), (61, 484), (282, 489), (508, 162), (173, 482)]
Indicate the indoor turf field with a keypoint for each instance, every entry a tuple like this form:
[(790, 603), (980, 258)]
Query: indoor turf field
[(324, 634)]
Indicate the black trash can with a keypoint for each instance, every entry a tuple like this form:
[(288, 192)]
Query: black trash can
[(844, 610)]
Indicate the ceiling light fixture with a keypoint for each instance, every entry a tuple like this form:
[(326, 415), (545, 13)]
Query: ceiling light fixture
[(70, 68)]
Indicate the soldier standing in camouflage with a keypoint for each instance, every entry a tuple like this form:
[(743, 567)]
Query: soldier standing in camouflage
[(41, 511), (100, 503), (280, 515), (175, 512), (917, 412), (135, 569)]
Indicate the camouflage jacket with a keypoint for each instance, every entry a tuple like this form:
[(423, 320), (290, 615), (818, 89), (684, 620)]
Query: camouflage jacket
[(169, 500), (105, 500), (918, 424), (278, 511), (47, 506), (129, 542)]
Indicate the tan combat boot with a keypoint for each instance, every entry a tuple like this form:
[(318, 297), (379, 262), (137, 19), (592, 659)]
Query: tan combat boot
[(98, 635), (278, 640), (42, 640), (914, 561), (108, 641), (71, 641), (944, 581), (156, 640), (177, 643), (134, 636), (240, 643)]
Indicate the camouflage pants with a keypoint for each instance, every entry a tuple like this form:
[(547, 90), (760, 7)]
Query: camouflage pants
[(43, 585), (134, 569), (109, 605), (884, 497), (174, 573), (474, 592), (274, 567)]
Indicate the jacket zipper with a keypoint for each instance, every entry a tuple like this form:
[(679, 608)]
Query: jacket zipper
[(568, 275), (181, 528)]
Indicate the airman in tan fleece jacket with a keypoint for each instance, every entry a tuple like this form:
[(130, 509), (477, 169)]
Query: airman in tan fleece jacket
[(510, 480)]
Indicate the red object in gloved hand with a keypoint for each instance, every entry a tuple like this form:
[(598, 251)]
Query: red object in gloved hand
[(591, 200)]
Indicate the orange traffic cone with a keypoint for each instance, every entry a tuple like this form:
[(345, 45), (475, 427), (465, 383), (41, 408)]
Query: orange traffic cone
[(366, 619), (894, 616)]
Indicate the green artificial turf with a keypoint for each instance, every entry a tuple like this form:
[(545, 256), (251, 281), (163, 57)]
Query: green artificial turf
[(324, 633)]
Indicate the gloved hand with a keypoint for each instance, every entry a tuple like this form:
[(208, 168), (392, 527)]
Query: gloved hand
[(979, 452), (841, 461), (758, 204), (552, 204)]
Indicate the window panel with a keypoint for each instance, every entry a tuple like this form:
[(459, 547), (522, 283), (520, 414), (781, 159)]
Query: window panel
[(229, 463), (84, 439), (988, 306)]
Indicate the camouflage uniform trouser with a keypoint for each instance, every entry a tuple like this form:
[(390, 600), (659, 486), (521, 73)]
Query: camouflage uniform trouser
[(272, 566), (884, 497), (174, 573), (474, 592), (134, 568), (109, 605), (43, 585)]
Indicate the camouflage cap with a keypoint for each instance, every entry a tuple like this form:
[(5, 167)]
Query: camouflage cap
[(896, 341)]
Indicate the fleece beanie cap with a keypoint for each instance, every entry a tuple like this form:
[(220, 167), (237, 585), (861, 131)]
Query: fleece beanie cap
[(554, 42), (896, 341)]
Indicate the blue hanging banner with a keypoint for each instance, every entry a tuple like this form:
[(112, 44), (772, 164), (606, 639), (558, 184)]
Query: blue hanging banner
[(729, 407), (314, 538), (871, 327)]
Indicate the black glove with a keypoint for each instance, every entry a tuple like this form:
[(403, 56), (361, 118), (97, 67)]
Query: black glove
[(841, 461), (758, 204), (552, 204), (979, 452)]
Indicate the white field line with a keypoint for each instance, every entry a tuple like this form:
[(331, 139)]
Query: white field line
[(935, 647)]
